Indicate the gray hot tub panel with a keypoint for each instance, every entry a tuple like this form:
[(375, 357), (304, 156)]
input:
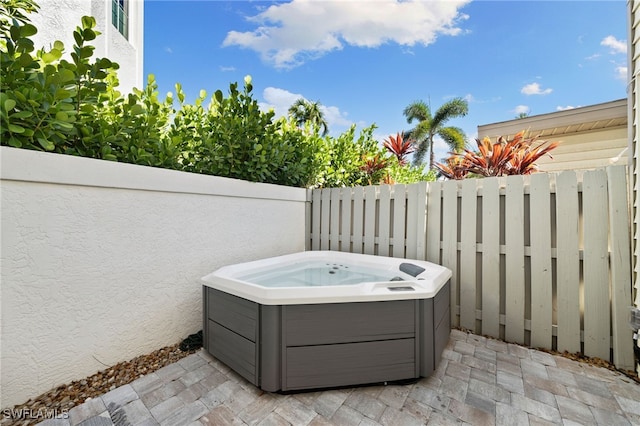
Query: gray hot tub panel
[(295, 347)]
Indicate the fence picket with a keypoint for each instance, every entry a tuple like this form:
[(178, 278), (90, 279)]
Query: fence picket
[(399, 215), (326, 218), (412, 221), (421, 221), (596, 277), (369, 219), (491, 257), (384, 221), (345, 226), (468, 254), (316, 217), (568, 270), (541, 279), (434, 216), (334, 236), (514, 260), (450, 240), (358, 218)]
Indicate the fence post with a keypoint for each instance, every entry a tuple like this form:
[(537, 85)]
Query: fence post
[(620, 252), (596, 265)]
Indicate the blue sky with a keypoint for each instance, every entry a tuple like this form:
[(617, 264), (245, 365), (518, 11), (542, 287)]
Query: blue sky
[(365, 61)]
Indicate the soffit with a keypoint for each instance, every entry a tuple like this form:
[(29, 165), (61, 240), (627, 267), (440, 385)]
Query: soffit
[(608, 115)]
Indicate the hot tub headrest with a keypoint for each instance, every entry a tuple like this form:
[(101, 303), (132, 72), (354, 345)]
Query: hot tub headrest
[(411, 269)]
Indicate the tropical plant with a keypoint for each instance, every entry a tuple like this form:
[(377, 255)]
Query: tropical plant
[(400, 147), (428, 126), (304, 111), (405, 173), (373, 168), (502, 158)]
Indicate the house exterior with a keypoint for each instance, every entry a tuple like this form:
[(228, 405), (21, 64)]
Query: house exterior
[(590, 137), (121, 23), (633, 93)]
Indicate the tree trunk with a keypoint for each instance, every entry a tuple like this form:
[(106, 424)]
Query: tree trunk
[(432, 156)]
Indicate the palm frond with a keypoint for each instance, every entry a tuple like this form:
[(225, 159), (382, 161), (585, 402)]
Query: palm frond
[(454, 137), (418, 110), (456, 107)]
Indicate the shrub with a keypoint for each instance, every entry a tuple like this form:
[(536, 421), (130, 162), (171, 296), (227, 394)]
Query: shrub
[(502, 158)]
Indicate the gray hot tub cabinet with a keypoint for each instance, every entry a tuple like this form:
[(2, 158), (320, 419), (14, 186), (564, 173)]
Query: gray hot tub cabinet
[(296, 347)]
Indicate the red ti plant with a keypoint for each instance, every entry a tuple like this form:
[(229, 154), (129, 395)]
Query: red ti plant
[(372, 166), (502, 158), (399, 147), (453, 168)]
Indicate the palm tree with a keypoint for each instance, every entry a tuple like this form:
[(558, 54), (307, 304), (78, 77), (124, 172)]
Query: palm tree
[(303, 111), (431, 125)]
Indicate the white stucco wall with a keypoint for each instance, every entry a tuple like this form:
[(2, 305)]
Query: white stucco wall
[(100, 261), (57, 19)]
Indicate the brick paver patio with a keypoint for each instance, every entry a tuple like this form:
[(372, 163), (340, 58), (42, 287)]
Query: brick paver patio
[(479, 382)]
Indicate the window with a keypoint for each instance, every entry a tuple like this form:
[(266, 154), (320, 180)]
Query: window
[(119, 17)]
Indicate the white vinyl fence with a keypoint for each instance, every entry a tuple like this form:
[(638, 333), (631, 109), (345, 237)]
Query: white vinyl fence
[(542, 260)]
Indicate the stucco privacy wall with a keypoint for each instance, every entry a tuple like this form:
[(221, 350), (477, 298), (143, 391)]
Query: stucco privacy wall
[(101, 261)]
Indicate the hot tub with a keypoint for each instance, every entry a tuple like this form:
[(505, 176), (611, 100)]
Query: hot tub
[(322, 319)]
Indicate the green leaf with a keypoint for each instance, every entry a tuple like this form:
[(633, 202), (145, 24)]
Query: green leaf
[(136, 109), (15, 142), (47, 145), (88, 22), (64, 125), (47, 58), (14, 31), (20, 96), (14, 128), (22, 114), (9, 104), (25, 60), (88, 34), (86, 52), (78, 38), (27, 30)]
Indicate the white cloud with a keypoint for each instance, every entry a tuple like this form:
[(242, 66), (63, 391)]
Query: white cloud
[(615, 45), (565, 108), (521, 109), (168, 50), (280, 100), (227, 69), (621, 72), (535, 89), (592, 57), (473, 100), (287, 34)]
